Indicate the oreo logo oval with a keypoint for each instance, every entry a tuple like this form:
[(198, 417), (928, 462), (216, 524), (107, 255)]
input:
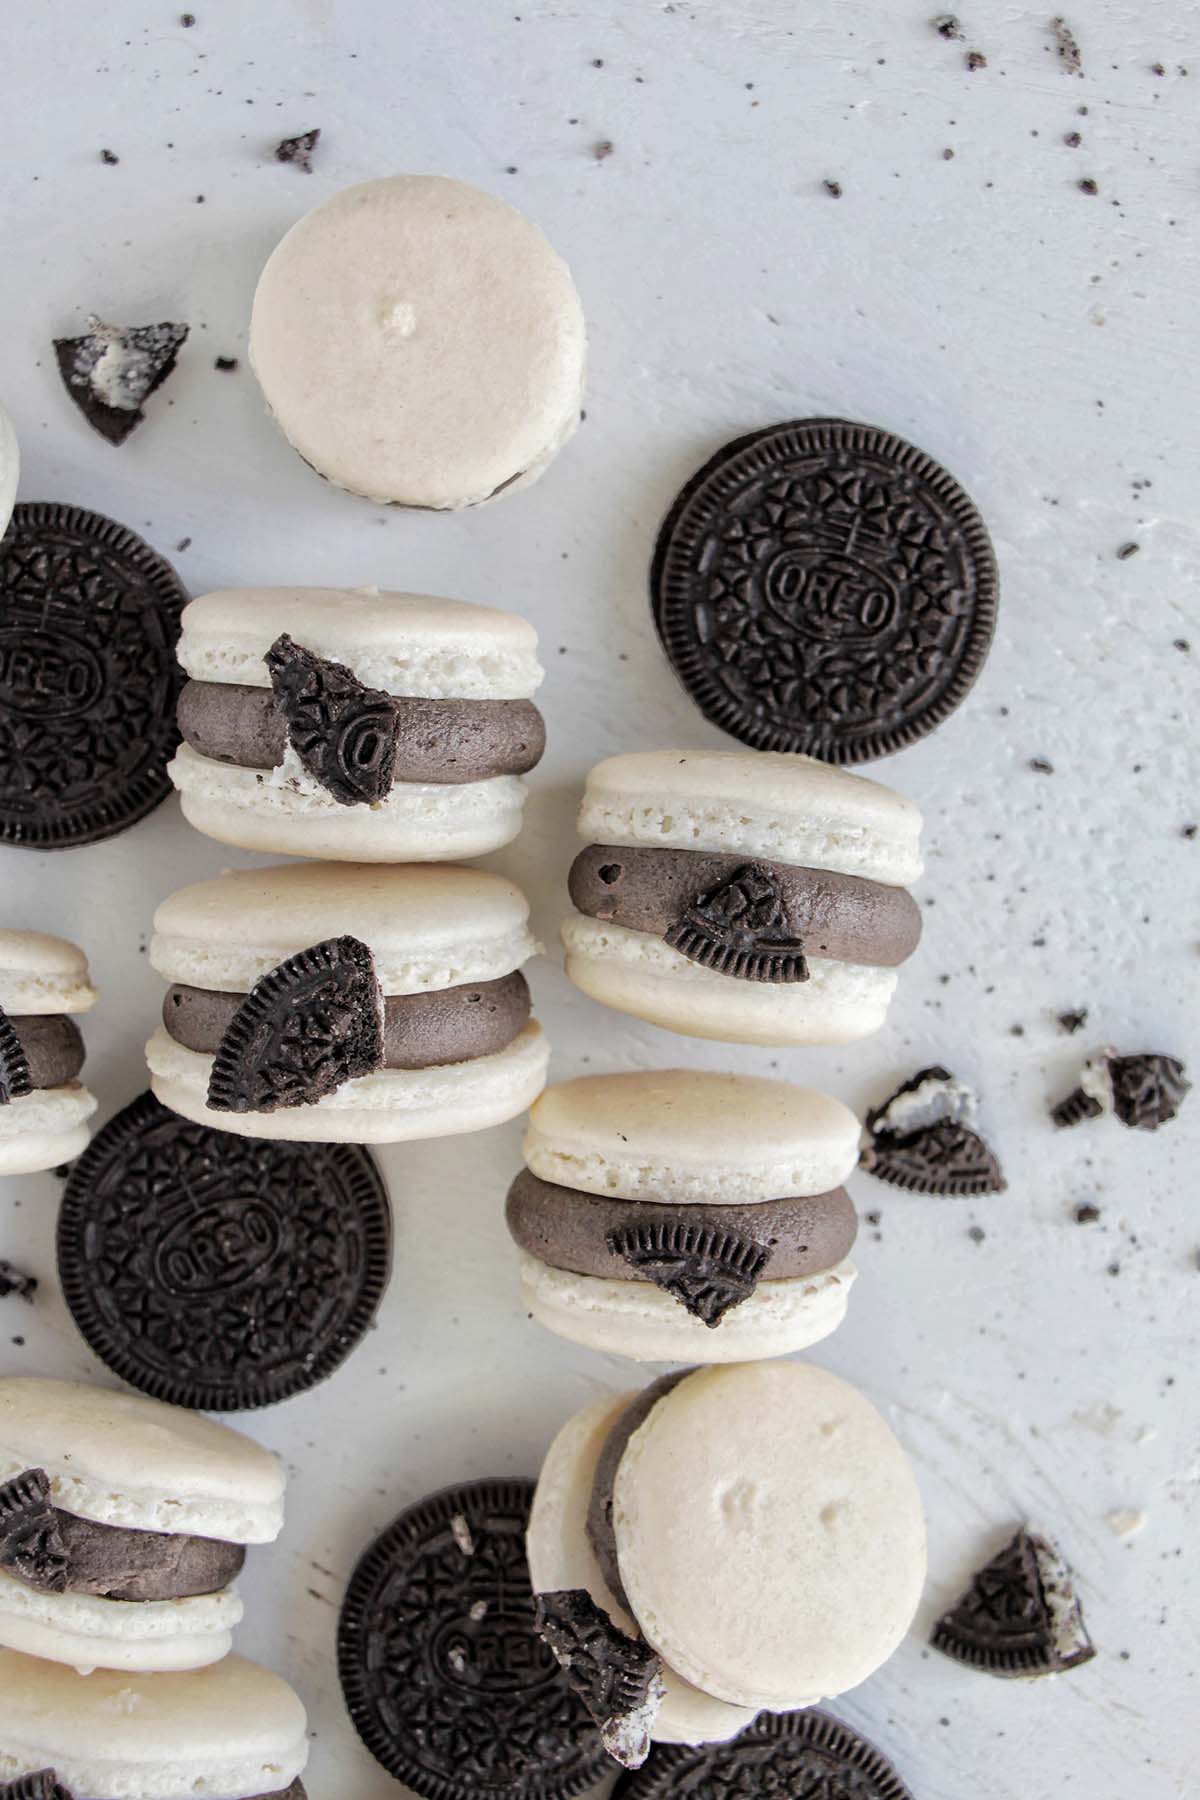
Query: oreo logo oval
[(498, 1653), (47, 675), (223, 1246)]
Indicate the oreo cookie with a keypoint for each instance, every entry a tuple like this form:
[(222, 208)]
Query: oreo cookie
[(618, 1677), (923, 1139), (345, 734), (15, 1080), (707, 1269), (31, 1540), (825, 587), (444, 1674), (89, 618), (794, 1753), (45, 1785), (112, 369), (740, 928), (1020, 1616), (221, 1272)]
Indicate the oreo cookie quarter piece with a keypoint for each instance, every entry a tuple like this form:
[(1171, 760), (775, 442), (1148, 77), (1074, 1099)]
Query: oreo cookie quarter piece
[(221, 1272), (444, 1674), (89, 617), (824, 587), (793, 1753)]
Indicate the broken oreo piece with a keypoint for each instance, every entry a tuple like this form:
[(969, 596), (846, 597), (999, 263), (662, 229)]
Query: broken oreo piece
[(113, 369), (345, 734), (740, 928), (15, 1081), (920, 1139), (303, 1030), (44, 1785), (299, 149), (708, 1271), (618, 1678), (795, 1754), (1142, 1091), (31, 1543), (15, 1281), (1020, 1617)]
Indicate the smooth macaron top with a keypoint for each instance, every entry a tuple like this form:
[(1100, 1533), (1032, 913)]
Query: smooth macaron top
[(785, 808), (10, 469), (769, 1533), (42, 974), (428, 925), (687, 1135), (419, 341), (126, 1460), (401, 643), (232, 1729)]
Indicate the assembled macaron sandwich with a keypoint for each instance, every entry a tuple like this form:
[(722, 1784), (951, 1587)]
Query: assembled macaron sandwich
[(44, 1108), (684, 1216), (346, 1004), (233, 1731), (750, 896), (356, 725), (730, 1541), (123, 1526)]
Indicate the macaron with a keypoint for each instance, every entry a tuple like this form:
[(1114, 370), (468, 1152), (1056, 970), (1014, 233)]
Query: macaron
[(123, 1526), (10, 468), (351, 1004), (757, 1525), (686, 1216), (44, 1108), (356, 725), (755, 897), (234, 1730), (419, 343)]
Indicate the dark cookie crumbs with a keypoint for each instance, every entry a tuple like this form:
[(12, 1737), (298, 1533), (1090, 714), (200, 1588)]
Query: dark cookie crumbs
[(833, 189), (110, 157), (1071, 1022), (603, 150), (1067, 47), (299, 150), (15, 1281), (1086, 1213), (947, 26), (1086, 185), (1042, 765), (618, 1678), (1126, 551), (975, 59), (225, 363)]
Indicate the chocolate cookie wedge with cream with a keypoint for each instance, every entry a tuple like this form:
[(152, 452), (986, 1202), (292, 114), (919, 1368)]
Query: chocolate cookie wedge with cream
[(123, 1526), (356, 725), (44, 1107), (686, 1216), (758, 898), (346, 1004)]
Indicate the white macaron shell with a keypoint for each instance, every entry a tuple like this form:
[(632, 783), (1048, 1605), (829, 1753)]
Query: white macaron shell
[(637, 973), (419, 342), (790, 809), (123, 1459), (230, 1730), (428, 926), (560, 1556), (769, 1533), (43, 974), (10, 469), (390, 1106), (642, 1321), (88, 1632), (57, 1112), (28, 1152), (401, 643), (285, 812), (691, 1135)]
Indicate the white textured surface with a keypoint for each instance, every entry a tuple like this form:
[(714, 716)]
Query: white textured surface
[(1041, 343)]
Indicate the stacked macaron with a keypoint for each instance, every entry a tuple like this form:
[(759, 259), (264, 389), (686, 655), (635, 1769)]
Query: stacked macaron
[(123, 1526), (731, 1540), (354, 724), (684, 1216), (353, 1003), (44, 1108), (750, 896)]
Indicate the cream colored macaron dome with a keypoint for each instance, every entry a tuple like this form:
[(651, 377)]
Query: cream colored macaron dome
[(428, 926), (232, 1729), (42, 974), (785, 808), (123, 1459), (10, 469), (683, 1135), (419, 342), (401, 643)]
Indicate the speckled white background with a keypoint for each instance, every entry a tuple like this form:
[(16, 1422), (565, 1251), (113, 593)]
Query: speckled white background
[(1039, 341)]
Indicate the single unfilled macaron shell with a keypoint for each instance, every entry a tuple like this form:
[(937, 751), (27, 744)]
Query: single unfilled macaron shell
[(790, 809), (682, 1136), (42, 974), (231, 1729), (769, 1533), (122, 1459), (419, 342), (10, 468), (427, 926)]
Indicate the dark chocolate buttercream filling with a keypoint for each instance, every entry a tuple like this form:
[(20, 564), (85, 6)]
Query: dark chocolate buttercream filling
[(601, 1534), (53, 1047), (443, 741), (570, 1229), (421, 1031), (841, 917)]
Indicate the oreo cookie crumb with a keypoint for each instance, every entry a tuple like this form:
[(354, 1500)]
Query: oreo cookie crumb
[(1042, 765), (1126, 551), (832, 188), (1071, 1022), (922, 1139), (947, 154), (603, 150), (1067, 47), (225, 363), (947, 26), (1143, 1091), (1087, 185), (1157, 69), (618, 1678), (110, 157), (1086, 1213), (1073, 140), (1020, 1618), (15, 1281), (975, 59), (111, 371), (183, 544), (187, 20), (299, 150), (1189, 831), (976, 1233)]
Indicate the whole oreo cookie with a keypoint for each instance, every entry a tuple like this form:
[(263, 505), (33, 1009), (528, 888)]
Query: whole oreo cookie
[(89, 617), (794, 1753), (217, 1271), (444, 1674), (824, 587)]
